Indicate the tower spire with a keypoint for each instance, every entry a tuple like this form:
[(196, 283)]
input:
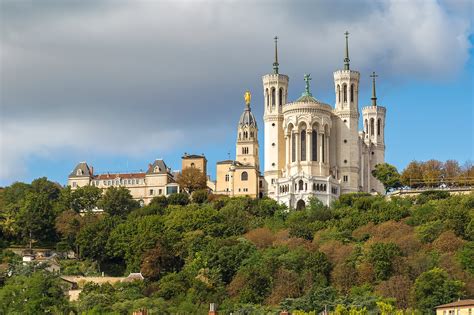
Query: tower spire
[(346, 59), (374, 97), (275, 64)]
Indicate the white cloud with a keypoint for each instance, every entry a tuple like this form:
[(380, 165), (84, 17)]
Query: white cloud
[(73, 74)]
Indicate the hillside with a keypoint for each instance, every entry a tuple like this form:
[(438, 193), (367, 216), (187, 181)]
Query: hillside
[(247, 256)]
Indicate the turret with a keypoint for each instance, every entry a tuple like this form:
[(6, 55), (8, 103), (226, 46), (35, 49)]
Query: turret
[(346, 85), (275, 92), (374, 125)]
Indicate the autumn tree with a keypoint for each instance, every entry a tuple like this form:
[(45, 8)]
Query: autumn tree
[(388, 175), (191, 179), (412, 175)]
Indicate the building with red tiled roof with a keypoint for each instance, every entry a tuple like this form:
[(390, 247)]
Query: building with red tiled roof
[(158, 180), (461, 307)]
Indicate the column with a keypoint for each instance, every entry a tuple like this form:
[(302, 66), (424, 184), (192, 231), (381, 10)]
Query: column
[(297, 145)]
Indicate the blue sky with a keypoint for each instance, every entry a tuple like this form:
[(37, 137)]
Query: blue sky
[(118, 84)]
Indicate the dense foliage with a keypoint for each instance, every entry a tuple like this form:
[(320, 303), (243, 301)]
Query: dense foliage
[(363, 254)]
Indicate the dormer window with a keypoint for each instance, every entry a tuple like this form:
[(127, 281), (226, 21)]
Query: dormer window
[(79, 172), (157, 169)]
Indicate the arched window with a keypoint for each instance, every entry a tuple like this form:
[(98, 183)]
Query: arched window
[(280, 97), (267, 96), (379, 125), (366, 126), (338, 93), (371, 126), (79, 172), (244, 176), (323, 142), (314, 186), (193, 165), (156, 169), (352, 92), (303, 144), (300, 184), (240, 135), (314, 146), (344, 92), (273, 97), (293, 147)]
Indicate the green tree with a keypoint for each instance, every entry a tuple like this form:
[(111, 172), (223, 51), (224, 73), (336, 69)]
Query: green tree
[(434, 287), (381, 256), (117, 201), (38, 293), (199, 196), (92, 238), (179, 199), (466, 257), (85, 198), (388, 175), (36, 218)]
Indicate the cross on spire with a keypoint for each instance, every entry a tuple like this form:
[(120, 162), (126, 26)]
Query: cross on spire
[(374, 97), (346, 59), (275, 64)]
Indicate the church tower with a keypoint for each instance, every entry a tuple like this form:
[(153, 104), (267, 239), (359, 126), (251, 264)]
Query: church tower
[(374, 134), (247, 137), (275, 92), (346, 84)]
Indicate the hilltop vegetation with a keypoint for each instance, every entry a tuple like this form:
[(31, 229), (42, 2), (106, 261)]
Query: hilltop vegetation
[(248, 256)]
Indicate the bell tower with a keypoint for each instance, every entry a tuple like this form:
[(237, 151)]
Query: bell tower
[(246, 151), (374, 137), (346, 85), (275, 93)]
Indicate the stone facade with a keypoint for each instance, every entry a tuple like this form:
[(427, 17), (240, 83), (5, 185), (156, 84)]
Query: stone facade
[(313, 149)]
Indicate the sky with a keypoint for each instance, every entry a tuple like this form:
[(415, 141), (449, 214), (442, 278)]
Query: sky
[(120, 83)]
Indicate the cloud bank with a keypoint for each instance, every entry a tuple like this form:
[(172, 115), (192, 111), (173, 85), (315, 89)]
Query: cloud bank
[(122, 77)]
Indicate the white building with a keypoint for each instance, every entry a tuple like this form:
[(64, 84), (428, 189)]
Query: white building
[(314, 149)]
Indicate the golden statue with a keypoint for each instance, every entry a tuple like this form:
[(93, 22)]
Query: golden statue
[(247, 97)]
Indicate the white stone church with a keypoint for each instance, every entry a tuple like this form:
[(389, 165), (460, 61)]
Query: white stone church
[(314, 149)]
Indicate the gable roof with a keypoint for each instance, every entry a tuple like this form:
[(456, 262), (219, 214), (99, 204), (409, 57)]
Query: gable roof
[(468, 302), (84, 169), (162, 168)]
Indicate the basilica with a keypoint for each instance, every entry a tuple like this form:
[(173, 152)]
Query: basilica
[(311, 149)]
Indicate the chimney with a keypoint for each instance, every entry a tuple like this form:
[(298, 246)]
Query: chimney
[(212, 309), (92, 170)]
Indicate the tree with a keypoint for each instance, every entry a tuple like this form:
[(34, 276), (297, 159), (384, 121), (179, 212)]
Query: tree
[(158, 261), (92, 238), (38, 293), (36, 217), (412, 175), (191, 179), (388, 175), (432, 171), (381, 256), (180, 199), (434, 287), (85, 198), (200, 196), (68, 224), (118, 201)]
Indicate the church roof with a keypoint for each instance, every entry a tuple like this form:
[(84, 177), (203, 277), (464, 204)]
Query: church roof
[(247, 118), (307, 99)]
